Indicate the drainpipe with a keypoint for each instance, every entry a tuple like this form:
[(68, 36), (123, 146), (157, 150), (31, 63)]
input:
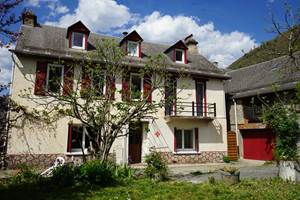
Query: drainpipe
[(235, 116)]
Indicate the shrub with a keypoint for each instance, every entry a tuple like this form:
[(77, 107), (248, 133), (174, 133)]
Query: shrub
[(124, 172), (98, 173), (25, 175), (65, 175), (226, 159), (156, 166)]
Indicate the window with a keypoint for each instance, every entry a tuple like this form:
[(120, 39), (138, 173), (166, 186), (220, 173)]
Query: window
[(79, 139), (136, 85), (179, 55), (185, 140), (54, 78), (170, 95), (77, 40), (98, 82), (133, 48)]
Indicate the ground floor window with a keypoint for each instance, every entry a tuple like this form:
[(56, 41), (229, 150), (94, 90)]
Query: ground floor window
[(185, 139), (78, 139)]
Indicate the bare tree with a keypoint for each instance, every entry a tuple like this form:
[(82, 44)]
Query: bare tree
[(104, 116), (7, 19)]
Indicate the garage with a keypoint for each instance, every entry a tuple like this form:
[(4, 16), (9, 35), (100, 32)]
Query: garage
[(258, 144)]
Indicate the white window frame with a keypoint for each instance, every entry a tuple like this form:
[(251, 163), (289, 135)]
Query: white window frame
[(104, 85), (142, 85), (78, 151), (183, 58), (185, 150), (137, 49), (62, 76), (83, 41)]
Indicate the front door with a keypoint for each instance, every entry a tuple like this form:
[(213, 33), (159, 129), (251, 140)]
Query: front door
[(135, 142), (199, 98)]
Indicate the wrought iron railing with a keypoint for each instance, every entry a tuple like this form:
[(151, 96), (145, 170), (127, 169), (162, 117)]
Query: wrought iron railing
[(186, 109)]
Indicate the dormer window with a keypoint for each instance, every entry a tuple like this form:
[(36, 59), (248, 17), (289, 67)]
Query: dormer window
[(179, 56), (78, 40), (133, 49)]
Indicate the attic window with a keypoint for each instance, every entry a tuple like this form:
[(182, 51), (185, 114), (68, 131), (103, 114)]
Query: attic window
[(179, 56), (77, 40), (133, 49)]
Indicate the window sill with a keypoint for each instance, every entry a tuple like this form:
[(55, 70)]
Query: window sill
[(76, 153), (185, 152)]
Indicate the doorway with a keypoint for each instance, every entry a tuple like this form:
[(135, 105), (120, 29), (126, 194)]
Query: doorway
[(135, 142)]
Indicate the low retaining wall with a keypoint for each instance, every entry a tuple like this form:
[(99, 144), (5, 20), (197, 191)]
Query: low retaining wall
[(201, 157)]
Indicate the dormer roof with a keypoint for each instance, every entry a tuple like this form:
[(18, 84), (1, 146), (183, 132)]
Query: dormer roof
[(178, 45), (133, 36), (77, 27)]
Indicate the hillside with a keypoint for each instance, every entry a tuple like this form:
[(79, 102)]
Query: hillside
[(266, 51)]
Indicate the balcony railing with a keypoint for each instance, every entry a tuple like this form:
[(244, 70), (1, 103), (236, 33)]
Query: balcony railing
[(191, 109)]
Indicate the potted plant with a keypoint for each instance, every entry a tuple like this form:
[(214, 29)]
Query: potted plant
[(284, 122), (230, 175)]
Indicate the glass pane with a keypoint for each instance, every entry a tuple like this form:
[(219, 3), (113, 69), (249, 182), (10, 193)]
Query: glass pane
[(179, 55), (77, 137), (178, 136), (54, 79), (78, 39), (136, 86), (188, 139), (132, 49), (98, 82)]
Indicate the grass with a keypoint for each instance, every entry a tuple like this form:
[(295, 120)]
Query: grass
[(146, 189)]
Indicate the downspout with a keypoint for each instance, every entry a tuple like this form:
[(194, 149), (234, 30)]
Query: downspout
[(235, 116)]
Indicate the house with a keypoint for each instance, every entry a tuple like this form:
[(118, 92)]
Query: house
[(195, 135), (271, 80)]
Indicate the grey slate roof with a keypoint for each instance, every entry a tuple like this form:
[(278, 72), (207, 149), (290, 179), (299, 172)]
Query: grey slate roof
[(50, 41), (259, 78)]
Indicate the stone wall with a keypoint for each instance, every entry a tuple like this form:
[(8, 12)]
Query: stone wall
[(202, 157)]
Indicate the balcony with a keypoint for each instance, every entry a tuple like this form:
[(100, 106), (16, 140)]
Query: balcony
[(190, 110)]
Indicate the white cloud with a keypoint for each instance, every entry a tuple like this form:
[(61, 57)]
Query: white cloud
[(98, 15), (57, 8), (223, 48), (34, 3), (5, 66)]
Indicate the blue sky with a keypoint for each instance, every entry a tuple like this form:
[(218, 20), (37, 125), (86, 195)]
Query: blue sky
[(224, 28)]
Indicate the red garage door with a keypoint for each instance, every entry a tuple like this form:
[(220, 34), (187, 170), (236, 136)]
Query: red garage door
[(258, 144)]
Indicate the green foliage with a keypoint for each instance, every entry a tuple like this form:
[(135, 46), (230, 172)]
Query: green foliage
[(157, 168), (124, 172), (226, 159), (65, 175), (24, 176), (267, 51), (283, 120)]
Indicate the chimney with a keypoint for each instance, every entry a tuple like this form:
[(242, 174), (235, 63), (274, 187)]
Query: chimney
[(29, 18), (125, 33), (191, 43)]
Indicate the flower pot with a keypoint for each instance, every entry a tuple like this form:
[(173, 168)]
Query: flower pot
[(229, 178), (289, 170)]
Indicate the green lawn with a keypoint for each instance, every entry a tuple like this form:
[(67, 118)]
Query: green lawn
[(145, 189)]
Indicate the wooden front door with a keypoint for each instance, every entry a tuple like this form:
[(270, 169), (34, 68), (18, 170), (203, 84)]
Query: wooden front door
[(135, 142)]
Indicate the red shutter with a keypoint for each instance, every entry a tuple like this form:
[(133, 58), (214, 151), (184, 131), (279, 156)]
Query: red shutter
[(175, 149), (68, 80), (85, 82), (70, 39), (110, 87), (125, 87), (69, 145), (147, 87), (196, 139), (185, 58), (86, 36), (140, 50), (40, 79)]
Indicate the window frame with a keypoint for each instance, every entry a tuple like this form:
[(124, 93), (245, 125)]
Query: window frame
[(83, 41), (104, 84), (62, 78), (137, 48), (182, 57), (142, 86), (186, 150), (78, 151)]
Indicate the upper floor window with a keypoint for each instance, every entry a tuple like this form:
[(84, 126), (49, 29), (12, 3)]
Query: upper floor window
[(136, 86), (133, 48), (179, 56), (54, 79), (77, 40), (98, 83)]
